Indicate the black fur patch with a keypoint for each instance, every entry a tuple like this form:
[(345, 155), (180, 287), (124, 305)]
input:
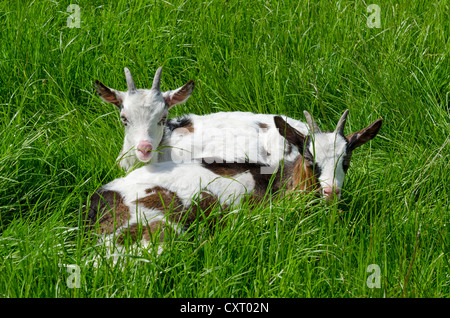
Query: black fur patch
[(346, 161), (310, 160), (178, 122)]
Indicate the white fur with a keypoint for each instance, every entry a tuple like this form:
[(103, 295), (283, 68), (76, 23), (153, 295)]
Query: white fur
[(230, 136), (328, 150), (143, 111)]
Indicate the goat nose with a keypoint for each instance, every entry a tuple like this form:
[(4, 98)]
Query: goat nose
[(330, 192), (144, 146)]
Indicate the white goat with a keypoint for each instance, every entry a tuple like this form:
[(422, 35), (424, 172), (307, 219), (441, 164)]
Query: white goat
[(144, 114), (169, 195)]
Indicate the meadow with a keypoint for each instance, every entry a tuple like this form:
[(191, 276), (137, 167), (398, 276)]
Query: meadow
[(387, 237)]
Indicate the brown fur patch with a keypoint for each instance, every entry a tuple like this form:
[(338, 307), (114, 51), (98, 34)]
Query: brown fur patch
[(185, 130), (148, 232), (155, 227), (227, 169), (131, 233), (206, 203), (162, 199), (171, 205), (190, 127), (264, 127), (303, 176), (108, 207), (222, 170), (168, 203)]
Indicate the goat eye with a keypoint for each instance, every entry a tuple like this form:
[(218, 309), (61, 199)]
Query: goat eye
[(309, 158), (124, 120)]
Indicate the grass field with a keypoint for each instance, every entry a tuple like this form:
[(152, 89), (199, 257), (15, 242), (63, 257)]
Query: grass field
[(59, 143)]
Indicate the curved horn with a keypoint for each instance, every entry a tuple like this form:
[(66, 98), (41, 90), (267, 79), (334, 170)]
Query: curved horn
[(313, 127), (341, 123), (157, 79), (130, 82)]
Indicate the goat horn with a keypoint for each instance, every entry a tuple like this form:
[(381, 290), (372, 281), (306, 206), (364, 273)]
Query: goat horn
[(313, 127), (341, 124), (130, 82), (157, 79)]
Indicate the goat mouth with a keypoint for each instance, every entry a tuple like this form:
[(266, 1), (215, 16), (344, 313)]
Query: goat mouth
[(330, 197), (144, 155)]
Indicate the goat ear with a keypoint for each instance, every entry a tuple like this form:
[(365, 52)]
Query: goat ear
[(291, 134), (108, 94), (364, 135), (179, 95)]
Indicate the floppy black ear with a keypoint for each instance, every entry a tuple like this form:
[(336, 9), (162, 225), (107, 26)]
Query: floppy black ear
[(291, 134), (364, 135)]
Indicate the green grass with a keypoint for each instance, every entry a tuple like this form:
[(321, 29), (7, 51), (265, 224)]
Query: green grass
[(59, 143)]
